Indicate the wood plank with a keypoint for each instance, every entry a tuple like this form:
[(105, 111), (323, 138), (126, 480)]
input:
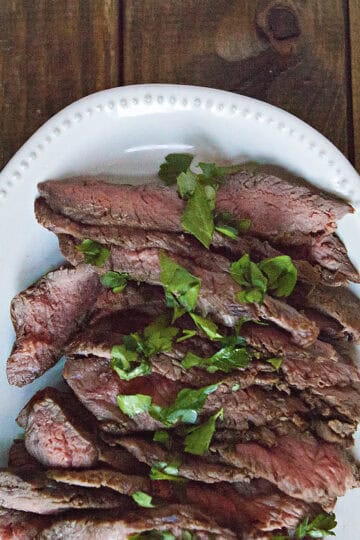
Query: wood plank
[(52, 53), (290, 54), (354, 18)]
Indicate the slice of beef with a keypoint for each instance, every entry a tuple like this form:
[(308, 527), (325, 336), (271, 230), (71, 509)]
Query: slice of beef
[(345, 399), (298, 465), (140, 296), (338, 303), (328, 253), (58, 430), (45, 316), (96, 478), (41, 496), (251, 508), (217, 296), (279, 209), (16, 525), (182, 244), (318, 366), (330, 330), (20, 460), (97, 385), (191, 467), (173, 518)]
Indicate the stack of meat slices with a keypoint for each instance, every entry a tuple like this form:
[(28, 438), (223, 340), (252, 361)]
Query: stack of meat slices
[(279, 453)]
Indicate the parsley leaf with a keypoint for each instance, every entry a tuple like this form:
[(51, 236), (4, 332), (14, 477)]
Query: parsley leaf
[(253, 282), (199, 437), (208, 327), (186, 183), (187, 334), (319, 527), (174, 165), (185, 408), (227, 225), (275, 362), (226, 359), (235, 387), (281, 274), (166, 471), (143, 499), (132, 405), (197, 218), (94, 252), (162, 437), (158, 337), (181, 287), (115, 280), (153, 534)]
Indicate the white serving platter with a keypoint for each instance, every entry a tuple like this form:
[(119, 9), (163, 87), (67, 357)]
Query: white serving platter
[(126, 132)]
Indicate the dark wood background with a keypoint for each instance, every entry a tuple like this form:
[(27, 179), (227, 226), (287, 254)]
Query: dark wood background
[(302, 55)]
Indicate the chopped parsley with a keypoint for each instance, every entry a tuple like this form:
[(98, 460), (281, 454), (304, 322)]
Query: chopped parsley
[(275, 362), (199, 190), (227, 225), (198, 439), (136, 349), (94, 253), (208, 327), (181, 288), (226, 359), (320, 527), (277, 275), (133, 405), (153, 534), (166, 471), (116, 281)]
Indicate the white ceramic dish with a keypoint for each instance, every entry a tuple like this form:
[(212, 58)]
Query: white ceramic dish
[(127, 131)]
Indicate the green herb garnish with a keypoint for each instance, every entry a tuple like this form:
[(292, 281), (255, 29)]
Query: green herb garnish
[(319, 527), (143, 499), (174, 165), (207, 326), (197, 218), (94, 252), (281, 274), (116, 281), (226, 359), (166, 471), (181, 288), (157, 337), (153, 534), (187, 334), (135, 404), (277, 275), (199, 437), (227, 225), (162, 437), (275, 362)]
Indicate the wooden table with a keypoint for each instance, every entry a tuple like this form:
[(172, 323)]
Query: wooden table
[(302, 55)]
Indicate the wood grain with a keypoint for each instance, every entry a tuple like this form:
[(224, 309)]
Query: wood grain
[(354, 18), (52, 53), (287, 52)]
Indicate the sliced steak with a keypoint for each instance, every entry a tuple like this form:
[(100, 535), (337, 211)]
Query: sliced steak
[(58, 430), (341, 304), (41, 496), (330, 330), (20, 460), (191, 467), (345, 399), (140, 296), (97, 385), (45, 316), (328, 253), (280, 210), (217, 293), (174, 519), (298, 465), (251, 508), (16, 525), (96, 478), (317, 366), (182, 244)]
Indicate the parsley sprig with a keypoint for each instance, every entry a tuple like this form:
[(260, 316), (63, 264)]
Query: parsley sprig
[(277, 275), (199, 190), (136, 349), (94, 253), (319, 527)]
